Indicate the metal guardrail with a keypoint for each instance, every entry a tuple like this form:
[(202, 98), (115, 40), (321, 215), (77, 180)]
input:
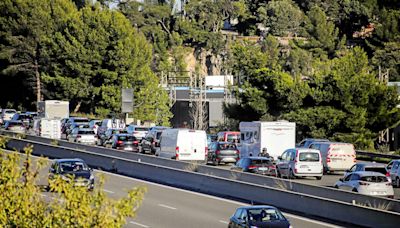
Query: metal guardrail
[(377, 155), (287, 200), (292, 185)]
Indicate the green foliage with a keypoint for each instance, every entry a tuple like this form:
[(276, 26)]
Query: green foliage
[(282, 17), (22, 205)]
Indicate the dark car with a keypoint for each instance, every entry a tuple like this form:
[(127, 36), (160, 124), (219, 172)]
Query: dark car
[(258, 216), (15, 126), (105, 138), (72, 169), (305, 143), (24, 118), (259, 165), (151, 141), (125, 142), (222, 152)]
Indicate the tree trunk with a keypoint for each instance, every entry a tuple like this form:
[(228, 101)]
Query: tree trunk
[(38, 82), (77, 107)]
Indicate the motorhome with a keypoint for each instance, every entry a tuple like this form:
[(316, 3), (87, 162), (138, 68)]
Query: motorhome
[(276, 137)]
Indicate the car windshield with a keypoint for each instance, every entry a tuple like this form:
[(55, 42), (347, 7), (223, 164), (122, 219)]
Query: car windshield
[(374, 179), (126, 138), (10, 111), (261, 162), (309, 156), (233, 138), (265, 215), (376, 169), (73, 166)]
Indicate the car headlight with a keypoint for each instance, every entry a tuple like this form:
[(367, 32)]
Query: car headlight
[(91, 176)]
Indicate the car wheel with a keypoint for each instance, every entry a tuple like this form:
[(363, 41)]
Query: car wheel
[(319, 178), (278, 174), (354, 190), (337, 187), (215, 162)]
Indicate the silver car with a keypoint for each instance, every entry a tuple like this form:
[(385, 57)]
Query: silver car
[(83, 135), (393, 169), (367, 183), (368, 166)]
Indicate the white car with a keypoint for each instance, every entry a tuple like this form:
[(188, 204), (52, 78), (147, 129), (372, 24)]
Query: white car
[(367, 183), (300, 162), (83, 135)]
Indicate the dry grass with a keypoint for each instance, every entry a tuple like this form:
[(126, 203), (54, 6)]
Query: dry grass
[(284, 185), (386, 206), (192, 167)]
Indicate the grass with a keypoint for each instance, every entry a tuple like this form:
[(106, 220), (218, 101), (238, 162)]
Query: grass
[(193, 167), (284, 185), (386, 206)]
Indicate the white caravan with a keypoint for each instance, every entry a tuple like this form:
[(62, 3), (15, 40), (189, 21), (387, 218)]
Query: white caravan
[(275, 136), (183, 144)]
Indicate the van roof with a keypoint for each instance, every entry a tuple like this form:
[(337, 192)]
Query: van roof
[(307, 150), (329, 142)]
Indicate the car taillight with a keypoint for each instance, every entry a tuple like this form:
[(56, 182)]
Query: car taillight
[(78, 136), (217, 152), (388, 184), (206, 151), (136, 142), (177, 152), (252, 167), (119, 142), (328, 159), (363, 183), (387, 174)]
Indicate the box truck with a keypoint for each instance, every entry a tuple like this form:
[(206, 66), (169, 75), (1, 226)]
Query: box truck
[(276, 136)]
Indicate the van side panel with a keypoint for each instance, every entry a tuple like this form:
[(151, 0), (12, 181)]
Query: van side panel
[(190, 143)]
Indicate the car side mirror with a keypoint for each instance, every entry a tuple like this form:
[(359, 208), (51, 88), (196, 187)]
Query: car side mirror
[(348, 171), (279, 157)]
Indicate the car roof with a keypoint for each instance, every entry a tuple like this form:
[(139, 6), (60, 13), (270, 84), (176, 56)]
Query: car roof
[(68, 159), (368, 173), (124, 134), (258, 207)]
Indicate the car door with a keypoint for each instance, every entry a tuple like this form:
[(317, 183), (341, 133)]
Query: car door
[(345, 184), (394, 170), (351, 170), (283, 163)]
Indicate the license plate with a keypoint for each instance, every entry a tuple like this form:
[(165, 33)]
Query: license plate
[(304, 166), (336, 159), (128, 148), (263, 169)]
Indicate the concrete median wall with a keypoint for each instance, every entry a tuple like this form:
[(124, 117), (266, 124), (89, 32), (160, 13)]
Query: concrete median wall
[(223, 186)]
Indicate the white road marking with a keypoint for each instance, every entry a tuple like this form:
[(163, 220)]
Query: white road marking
[(166, 206), (221, 199), (224, 222), (138, 224), (108, 191), (203, 195)]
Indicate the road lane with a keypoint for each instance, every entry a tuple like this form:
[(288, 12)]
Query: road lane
[(165, 206)]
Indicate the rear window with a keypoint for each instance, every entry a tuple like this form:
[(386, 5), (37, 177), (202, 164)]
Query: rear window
[(10, 111), (158, 135), (374, 179), (376, 169), (126, 138), (15, 124), (86, 132), (81, 120), (141, 129), (227, 146), (309, 157), (260, 162), (233, 138)]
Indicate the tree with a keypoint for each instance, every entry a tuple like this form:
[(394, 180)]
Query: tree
[(24, 25), (282, 17), (21, 203)]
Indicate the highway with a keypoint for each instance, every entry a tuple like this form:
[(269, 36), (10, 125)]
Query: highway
[(165, 206), (328, 180)]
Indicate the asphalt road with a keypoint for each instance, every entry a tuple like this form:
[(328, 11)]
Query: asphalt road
[(165, 206), (328, 180)]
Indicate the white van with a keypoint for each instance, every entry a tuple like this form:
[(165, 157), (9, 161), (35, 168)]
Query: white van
[(300, 162), (336, 156), (183, 144)]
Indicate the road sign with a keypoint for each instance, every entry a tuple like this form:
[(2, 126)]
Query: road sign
[(127, 100)]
